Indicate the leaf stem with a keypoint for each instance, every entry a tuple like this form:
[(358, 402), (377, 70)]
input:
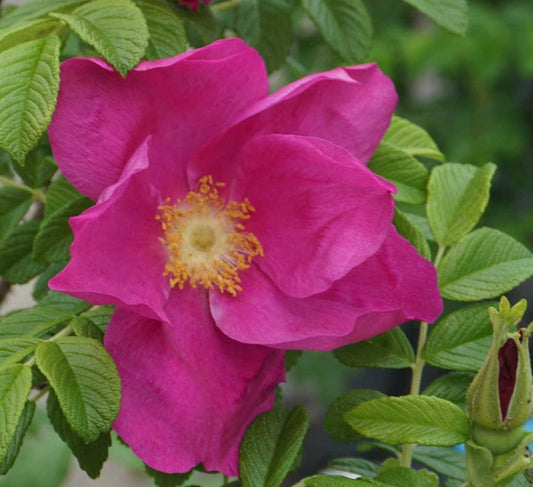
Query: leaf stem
[(37, 193), (406, 456), (61, 333), (40, 394), (227, 5)]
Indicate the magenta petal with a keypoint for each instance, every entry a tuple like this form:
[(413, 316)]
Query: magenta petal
[(350, 107), (188, 392), (393, 286), (117, 257), (319, 211), (182, 101)]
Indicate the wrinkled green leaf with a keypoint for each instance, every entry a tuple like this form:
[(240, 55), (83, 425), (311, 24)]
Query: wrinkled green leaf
[(345, 25), (15, 385), (86, 382), (84, 327), (115, 28), (485, 264), (406, 228), (270, 446), (452, 387), (359, 466), (461, 340), (38, 8), (412, 139), (445, 461), (25, 31), (65, 302), (423, 420), (402, 477), (13, 350), (457, 197), (37, 170), (32, 322), (390, 350), (28, 93), (404, 171), (162, 479)]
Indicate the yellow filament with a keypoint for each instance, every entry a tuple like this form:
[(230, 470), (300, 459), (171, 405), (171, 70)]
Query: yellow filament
[(205, 238)]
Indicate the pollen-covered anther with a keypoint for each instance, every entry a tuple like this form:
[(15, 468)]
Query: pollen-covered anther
[(206, 241)]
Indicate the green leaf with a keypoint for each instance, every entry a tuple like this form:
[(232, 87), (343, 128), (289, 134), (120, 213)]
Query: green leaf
[(266, 25), (202, 26), (28, 93), (336, 425), (18, 437), (390, 350), (359, 466), (86, 382), (422, 224), (411, 139), (291, 358), (59, 194), (345, 25), (423, 420), (406, 228), (90, 456), (38, 8), (166, 29), (401, 477), (162, 479), (115, 28), (461, 340), (404, 171), (37, 170), (270, 447), (457, 197), (13, 350), (100, 316), (14, 204), (337, 481), (16, 263), (15, 385), (25, 31), (450, 14), (84, 327), (485, 264), (64, 302), (41, 289), (445, 461), (32, 322), (53, 240), (452, 387)]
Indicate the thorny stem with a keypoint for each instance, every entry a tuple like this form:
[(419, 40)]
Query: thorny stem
[(406, 456), (227, 5), (37, 193)]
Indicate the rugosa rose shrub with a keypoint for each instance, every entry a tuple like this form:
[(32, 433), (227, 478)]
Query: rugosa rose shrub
[(229, 225)]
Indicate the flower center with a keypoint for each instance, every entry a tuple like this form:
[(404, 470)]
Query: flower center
[(206, 241)]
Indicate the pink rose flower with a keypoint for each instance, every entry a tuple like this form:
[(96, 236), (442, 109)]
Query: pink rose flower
[(194, 4), (229, 225)]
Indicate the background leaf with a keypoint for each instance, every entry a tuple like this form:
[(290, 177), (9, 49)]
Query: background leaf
[(336, 425), (270, 446), (85, 380), (423, 420), (14, 204), (90, 456), (345, 25), (166, 30), (452, 387), (266, 25), (115, 28), (18, 437), (407, 229), (38, 8), (28, 93), (450, 14)]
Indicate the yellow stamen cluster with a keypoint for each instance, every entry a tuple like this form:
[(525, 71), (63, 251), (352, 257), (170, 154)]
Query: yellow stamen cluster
[(205, 238)]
